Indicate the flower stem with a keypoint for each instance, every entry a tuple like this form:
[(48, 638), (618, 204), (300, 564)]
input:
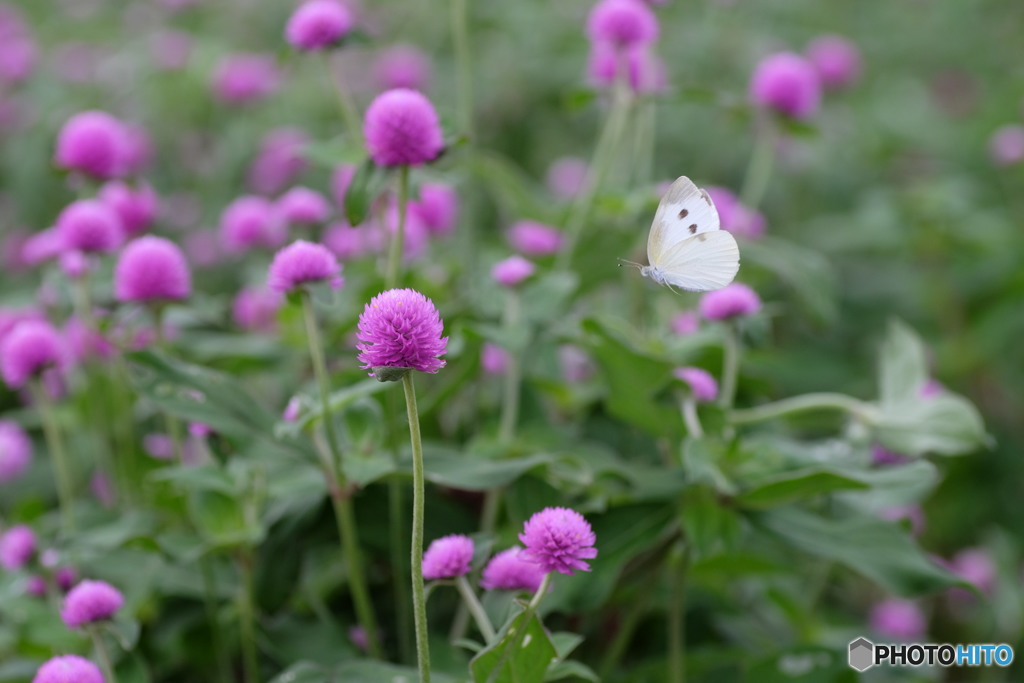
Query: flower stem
[(338, 488), (398, 239), (636, 609), (173, 425), (861, 410), (460, 37), (210, 606), (730, 365), (690, 418), (676, 620), (513, 371), (349, 112), (475, 608), (418, 597), (759, 169), (60, 459), (247, 619), (102, 654), (527, 615)]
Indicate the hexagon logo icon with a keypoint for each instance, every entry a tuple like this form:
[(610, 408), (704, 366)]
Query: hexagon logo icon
[(862, 653)]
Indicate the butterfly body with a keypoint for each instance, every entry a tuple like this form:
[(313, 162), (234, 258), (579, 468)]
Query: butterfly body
[(687, 247)]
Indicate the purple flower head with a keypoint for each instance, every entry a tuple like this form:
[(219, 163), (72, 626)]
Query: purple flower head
[(255, 309), (318, 24), (357, 634), (138, 148), (171, 49), (279, 161), (493, 359), (836, 59), (401, 328), (512, 271), (448, 557), (17, 57), (558, 539), (535, 239), (736, 218), (152, 269), (42, 246), (402, 129), (341, 178), (437, 208), (566, 177), (346, 242), (645, 72), (135, 207), (702, 385), (89, 225), (36, 586), (250, 222), (68, 669), (1006, 146), (158, 446), (90, 601), (17, 547), (898, 619), (685, 323), (576, 364), (73, 263), (30, 348), (303, 262), (65, 578), (303, 206), (291, 411), (509, 570), (15, 451), (622, 23), (244, 78), (94, 143), (733, 300), (975, 566), (402, 66), (788, 84)]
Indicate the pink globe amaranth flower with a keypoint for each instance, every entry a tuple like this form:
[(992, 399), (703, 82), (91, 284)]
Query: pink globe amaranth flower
[(898, 619), (158, 446), (734, 217), (245, 78), (566, 177), (341, 178), (152, 269), (402, 66), (558, 539), (94, 143), (437, 207), (788, 84), (28, 350), (836, 59), (255, 309), (15, 451), (645, 72), (702, 385), (73, 263), (68, 669), (685, 323), (975, 565), (622, 22), (303, 206), (279, 161), (36, 586), (199, 430), (535, 239), (509, 570), (101, 486), (402, 129), (41, 247), (171, 49), (448, 557), (357, 634), (90, 226), (90, 601), (346, 242), (65, 578), (12, 317), (512, 271), (401, 328), (576, 364), (203, 249), (17, 57), (136, 207), (17, 547), (318, 24), (291, 411), (1006, 146), (493, 359), (251, 222), (733, 300), (301, 263), (138, 148)]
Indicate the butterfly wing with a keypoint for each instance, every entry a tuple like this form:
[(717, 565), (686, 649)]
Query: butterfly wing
[(684, 211), (701, 263)]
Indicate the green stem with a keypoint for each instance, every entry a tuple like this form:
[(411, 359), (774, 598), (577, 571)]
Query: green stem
[(247, 619), (418, 597), (460, 37), (210, 606), (60, 458), (513, 371), (690, 418), (349, 111), (172, 422), (861, 410), (637, 608), (604, 156), (102, 654), (398, 239), (759, 169), (338, 488), (527, 615), (730, 365), (475, 608), (399, 569), (676, 622)]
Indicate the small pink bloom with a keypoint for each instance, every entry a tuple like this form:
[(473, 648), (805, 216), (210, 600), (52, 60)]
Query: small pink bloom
[(402, 66), (512, 271), (535, 239), (493, 359), (402, 129), (788, 84)]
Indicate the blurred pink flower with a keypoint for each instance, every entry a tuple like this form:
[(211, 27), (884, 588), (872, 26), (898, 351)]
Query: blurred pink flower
[(788, 84), (245, 77), (279, 161), (836, 59), (1006, 146), (898, 619), (402, 66), (566, 177)]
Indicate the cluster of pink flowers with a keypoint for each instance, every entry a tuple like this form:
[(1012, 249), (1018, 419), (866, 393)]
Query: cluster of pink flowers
[(791, 84), (621, 34)]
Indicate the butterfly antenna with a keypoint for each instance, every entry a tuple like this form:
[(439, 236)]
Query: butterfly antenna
[(629, 263)]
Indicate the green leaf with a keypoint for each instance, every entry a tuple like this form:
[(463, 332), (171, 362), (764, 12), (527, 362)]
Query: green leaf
[(337, 402), (879, 550), (305, 672), (515, 657), (569, 669), (125, 631), (794, 486), (946, 424), (477, 473), (903, 366), (221, 519), (710, 526), (331, 153), (366, 185), (807, 272)]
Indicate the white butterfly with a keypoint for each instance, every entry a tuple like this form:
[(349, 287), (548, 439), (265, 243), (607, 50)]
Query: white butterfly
[(686, 247)]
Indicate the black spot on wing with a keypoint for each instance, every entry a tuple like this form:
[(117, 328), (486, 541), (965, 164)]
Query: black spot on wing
[(683, 213), (693, 228)]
